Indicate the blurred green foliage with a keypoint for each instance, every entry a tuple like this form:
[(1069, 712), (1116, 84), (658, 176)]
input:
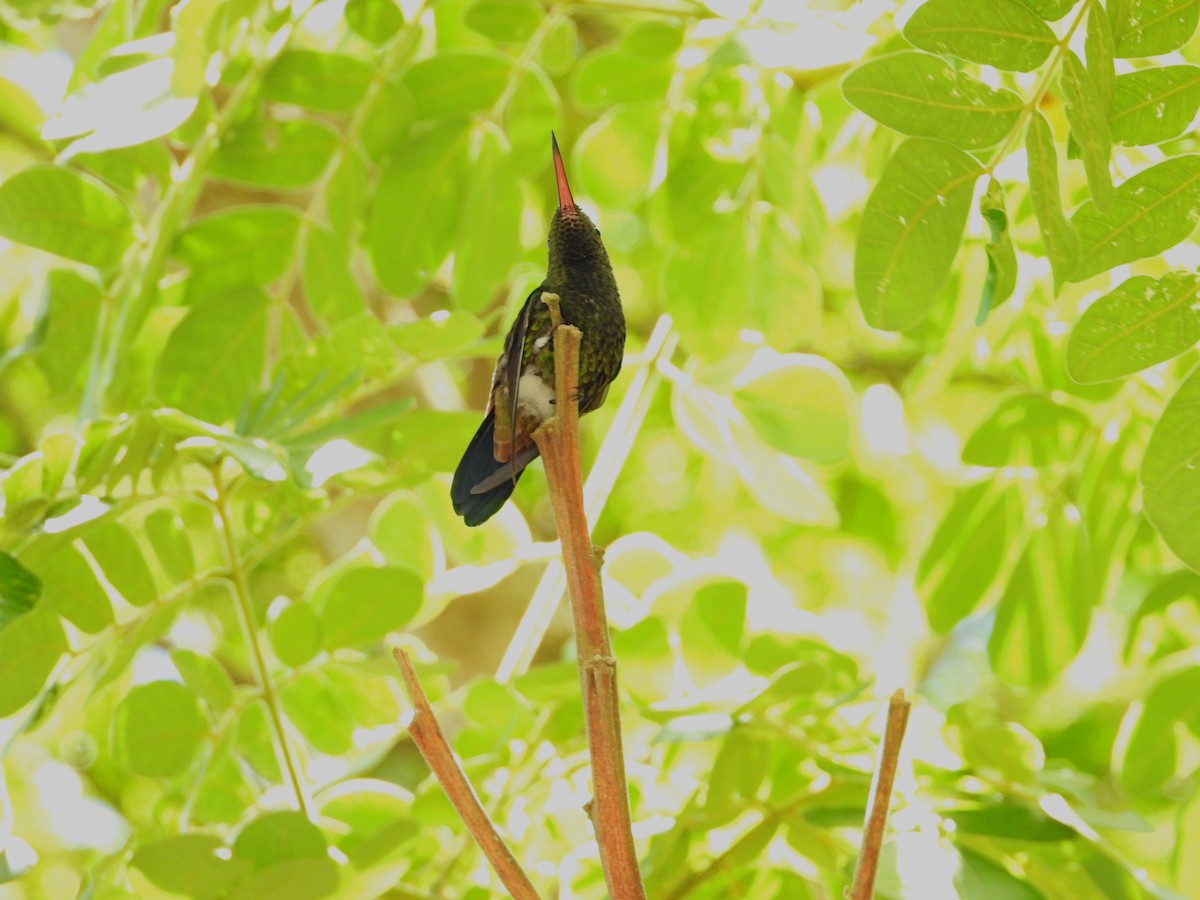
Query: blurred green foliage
[(912, 310)]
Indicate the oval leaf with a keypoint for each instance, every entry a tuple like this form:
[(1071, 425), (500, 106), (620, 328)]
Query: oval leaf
[(1153, 105), (1151, 27), (214, 357), (923, 95), (30, 647), (1151, 212), (329, 82), (157, 729), (362, 605), (279, 154), (910, 231), (1088, 116), (1001, 33), (1143, 322), (61, 211), (1170, 476)]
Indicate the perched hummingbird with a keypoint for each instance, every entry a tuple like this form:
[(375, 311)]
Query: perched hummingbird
[(523, 384)]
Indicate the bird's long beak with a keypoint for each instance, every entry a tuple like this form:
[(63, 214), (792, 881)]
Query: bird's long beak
[(566, 203)]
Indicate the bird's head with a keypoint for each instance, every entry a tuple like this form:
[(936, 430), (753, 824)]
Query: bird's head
[(574, 240)]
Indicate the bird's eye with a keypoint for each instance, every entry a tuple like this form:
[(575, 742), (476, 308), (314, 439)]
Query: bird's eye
[(597, 230)]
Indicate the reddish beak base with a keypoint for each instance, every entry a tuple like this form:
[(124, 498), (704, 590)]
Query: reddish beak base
[(566, 203)]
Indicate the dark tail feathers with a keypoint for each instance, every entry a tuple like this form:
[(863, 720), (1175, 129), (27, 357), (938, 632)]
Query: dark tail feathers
[(479, 468)]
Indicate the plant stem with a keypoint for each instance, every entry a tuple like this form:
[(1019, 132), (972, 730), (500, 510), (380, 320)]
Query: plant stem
[(245, 608), (1039, 92), (614, 451), (558, 441), (885, 776), (427, 734)]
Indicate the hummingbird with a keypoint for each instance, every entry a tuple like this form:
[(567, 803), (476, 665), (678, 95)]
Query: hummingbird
[(522, 394)]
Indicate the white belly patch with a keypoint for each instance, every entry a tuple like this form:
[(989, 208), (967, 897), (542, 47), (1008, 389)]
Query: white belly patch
[(535, 395)]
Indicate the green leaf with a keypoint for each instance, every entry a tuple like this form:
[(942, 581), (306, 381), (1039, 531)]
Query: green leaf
[(534, 110), (1099, 50), (711, 630), (1151, 758), (328, 82), (295, 634), (1154, 105), (261, 460), (276, 837), (647, 667), (119, 555), (329, 284), (400, 529), (1001, 277), (169, 538), (923, 95), (375, 20), (363, 605), (799, 405), (1088, 116), (1170, 479), (1151, 27), (1008, 820), (1000, 33), (415, 210), (19, 589), (318, 712), (377, 817), (157, 729), (489, 238), (978, 876), (1026, 430), (1046, 607), (1143, 322), (196, 865), (30, 647), (507, 21), (457, 82), (66, 327), (291, 153), (61, 211), (243, 245), (497, 710), (1058, 235), (705, 286), (967, 552), (1151, 212), (296, 879), (1050, 10), (910, 232), (608, 76), (437, 336), (614, 156), (72, 588), (214, 357), (206, 678)]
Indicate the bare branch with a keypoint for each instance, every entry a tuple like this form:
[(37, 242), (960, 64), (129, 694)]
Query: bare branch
[(885, 776), (431, 741), (558, 441)]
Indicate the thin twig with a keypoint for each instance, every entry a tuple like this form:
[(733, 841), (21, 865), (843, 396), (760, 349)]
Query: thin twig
[(558, 441), (885, 776), (427, 734), (245, 609)]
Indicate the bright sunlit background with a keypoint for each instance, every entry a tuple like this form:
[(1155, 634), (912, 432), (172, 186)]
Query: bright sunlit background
[(256, 264)]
